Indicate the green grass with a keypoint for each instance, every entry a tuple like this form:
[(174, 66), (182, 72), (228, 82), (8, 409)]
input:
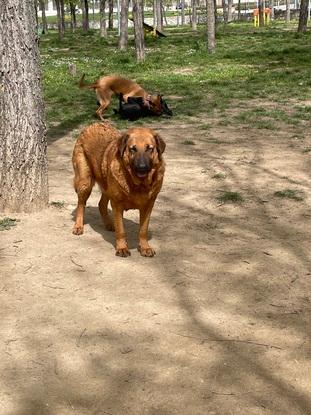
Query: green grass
[(7, 223), (230, 197), (249, 66), (289, 194), (58, 204)]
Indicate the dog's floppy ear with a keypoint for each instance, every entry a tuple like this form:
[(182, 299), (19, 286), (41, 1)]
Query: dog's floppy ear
[(160, 145), (122, 142)]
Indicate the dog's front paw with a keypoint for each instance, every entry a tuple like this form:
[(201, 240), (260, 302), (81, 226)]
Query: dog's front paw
[(77, 230), (149, 252), (123, 252)]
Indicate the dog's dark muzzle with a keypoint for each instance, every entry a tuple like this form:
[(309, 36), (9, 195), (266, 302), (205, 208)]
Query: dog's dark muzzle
[(142, 166)]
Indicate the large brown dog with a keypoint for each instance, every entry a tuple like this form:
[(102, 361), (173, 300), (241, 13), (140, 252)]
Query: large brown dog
[(107, 86), (129, 170)]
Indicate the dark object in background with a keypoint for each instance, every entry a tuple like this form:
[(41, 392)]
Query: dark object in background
[(135, 108)]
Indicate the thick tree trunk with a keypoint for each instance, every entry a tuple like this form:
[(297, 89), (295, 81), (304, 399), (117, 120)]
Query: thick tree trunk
[(229, 11), (194, 15), (211, 38), (110, 14), (23, 158), (44, 21), (102, 12), (303, 16), (287, 11), (138, 16), (123, 40)]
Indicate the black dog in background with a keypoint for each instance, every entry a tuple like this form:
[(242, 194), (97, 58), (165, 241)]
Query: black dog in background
[(135, 108)]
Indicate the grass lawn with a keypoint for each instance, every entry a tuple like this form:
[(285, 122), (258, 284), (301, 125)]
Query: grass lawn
[(250, 66)]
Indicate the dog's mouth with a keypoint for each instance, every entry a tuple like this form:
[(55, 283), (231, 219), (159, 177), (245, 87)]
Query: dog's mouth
[(141, 173)]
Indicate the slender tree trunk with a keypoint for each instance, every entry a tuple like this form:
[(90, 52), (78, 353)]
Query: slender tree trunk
[(225, 11), (194, 15), (215, 13), (210, 20), (23, 158), (85, 15), (303, 16), (229, 11), (59, 20), (139, 29), (103, 24), (44, 21), (73, 16), (272, 9), (36, 13), (110, 14), (123, 40), (154, 3), (239, 10), (182, 2), (62, 10), (261, 13), (159, 15), (287, 11)]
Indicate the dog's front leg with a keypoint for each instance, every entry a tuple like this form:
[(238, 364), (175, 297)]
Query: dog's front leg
[(144, 248), (121, 243)]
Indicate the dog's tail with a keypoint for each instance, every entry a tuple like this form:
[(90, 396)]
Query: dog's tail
[(83, 85)]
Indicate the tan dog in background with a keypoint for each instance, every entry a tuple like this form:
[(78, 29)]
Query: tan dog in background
[(129, 169), (107, 86)]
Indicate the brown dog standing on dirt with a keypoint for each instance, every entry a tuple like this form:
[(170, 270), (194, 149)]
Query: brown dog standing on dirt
[(107, 86), (129, 169)]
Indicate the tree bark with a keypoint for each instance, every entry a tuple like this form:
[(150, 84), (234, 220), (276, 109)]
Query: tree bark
[(23, 157), (261, 13), (210, 20), (102, 12), (123, 40), (182, 2), (194, 15), (225, 11), (272, 9), (229, 11), (138, 16), (303, 16), (110, 14)]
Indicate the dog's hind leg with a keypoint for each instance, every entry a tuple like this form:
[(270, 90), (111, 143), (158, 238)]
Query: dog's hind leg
[(104, 98), (103, 204), (83, 183)]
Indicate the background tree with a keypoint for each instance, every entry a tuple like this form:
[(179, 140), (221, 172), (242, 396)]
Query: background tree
[(61, 28), (23, 158), (287, 11), (110, 14), (73, 19), (44, 21), (138, 17), (182, 3), (194, 15), (225, 11), (211, 28), (159, 14), (85, 15), (102, 12), (303, 16), (123, 40), (230, 4), (261, 13)]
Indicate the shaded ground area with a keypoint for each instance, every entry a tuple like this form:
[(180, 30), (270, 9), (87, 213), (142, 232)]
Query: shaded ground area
[(217, 323)]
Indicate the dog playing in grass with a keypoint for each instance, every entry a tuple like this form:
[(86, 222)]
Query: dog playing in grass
[(129, 169), (107, 86)]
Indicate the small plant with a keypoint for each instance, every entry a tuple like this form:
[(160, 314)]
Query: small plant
[(289, 194), (7, 223), (58, 204), (306, 150), (219, 176), (189, 143), (230, 197)]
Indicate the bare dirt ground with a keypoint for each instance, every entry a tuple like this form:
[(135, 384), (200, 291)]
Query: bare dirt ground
[(218, 323)]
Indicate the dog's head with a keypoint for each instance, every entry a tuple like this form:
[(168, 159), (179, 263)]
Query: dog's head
[(158, 106), (141, 150)]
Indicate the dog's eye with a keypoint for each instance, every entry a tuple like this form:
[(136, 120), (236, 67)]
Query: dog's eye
[(149, 148), (133, 149)]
